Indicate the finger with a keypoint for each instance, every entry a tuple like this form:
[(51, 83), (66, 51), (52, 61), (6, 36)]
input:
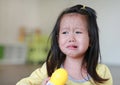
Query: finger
[(45, 81)]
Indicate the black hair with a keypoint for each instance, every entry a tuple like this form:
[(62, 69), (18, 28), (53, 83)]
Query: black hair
[(55, 57)]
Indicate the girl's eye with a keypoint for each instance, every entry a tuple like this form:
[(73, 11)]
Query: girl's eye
[(65, 32), (78, 32)]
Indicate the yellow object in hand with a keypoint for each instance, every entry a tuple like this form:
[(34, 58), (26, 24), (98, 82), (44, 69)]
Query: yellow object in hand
[(59, 77)]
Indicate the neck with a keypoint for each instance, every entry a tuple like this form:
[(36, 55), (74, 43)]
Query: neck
[(73, 63), (74, 67)]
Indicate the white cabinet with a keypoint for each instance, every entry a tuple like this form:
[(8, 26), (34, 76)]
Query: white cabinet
[(15, 53)]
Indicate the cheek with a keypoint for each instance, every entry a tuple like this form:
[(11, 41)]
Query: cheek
[(62, 43), (62, 40), (84, 41)]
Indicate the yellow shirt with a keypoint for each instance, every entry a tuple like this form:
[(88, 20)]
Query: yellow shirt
[(40, 74)]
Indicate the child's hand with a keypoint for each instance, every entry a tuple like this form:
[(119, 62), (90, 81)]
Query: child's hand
[(45, 81)]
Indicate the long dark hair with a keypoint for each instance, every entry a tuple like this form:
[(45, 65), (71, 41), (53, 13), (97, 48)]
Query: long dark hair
[(55, 57)]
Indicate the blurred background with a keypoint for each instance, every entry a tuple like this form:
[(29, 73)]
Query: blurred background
[(25, 26)]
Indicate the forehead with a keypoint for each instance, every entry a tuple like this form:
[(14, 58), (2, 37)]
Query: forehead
[(74, 15), (74, 19)]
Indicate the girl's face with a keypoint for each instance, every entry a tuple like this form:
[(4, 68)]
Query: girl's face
[(73, 35)]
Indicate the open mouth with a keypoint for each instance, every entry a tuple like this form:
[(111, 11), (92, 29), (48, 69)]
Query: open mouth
[(72, 46)]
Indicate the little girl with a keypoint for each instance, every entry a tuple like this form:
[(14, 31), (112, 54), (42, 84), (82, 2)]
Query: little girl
[(74, 47)]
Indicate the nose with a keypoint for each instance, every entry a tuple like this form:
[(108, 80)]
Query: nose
[(72, 38)]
